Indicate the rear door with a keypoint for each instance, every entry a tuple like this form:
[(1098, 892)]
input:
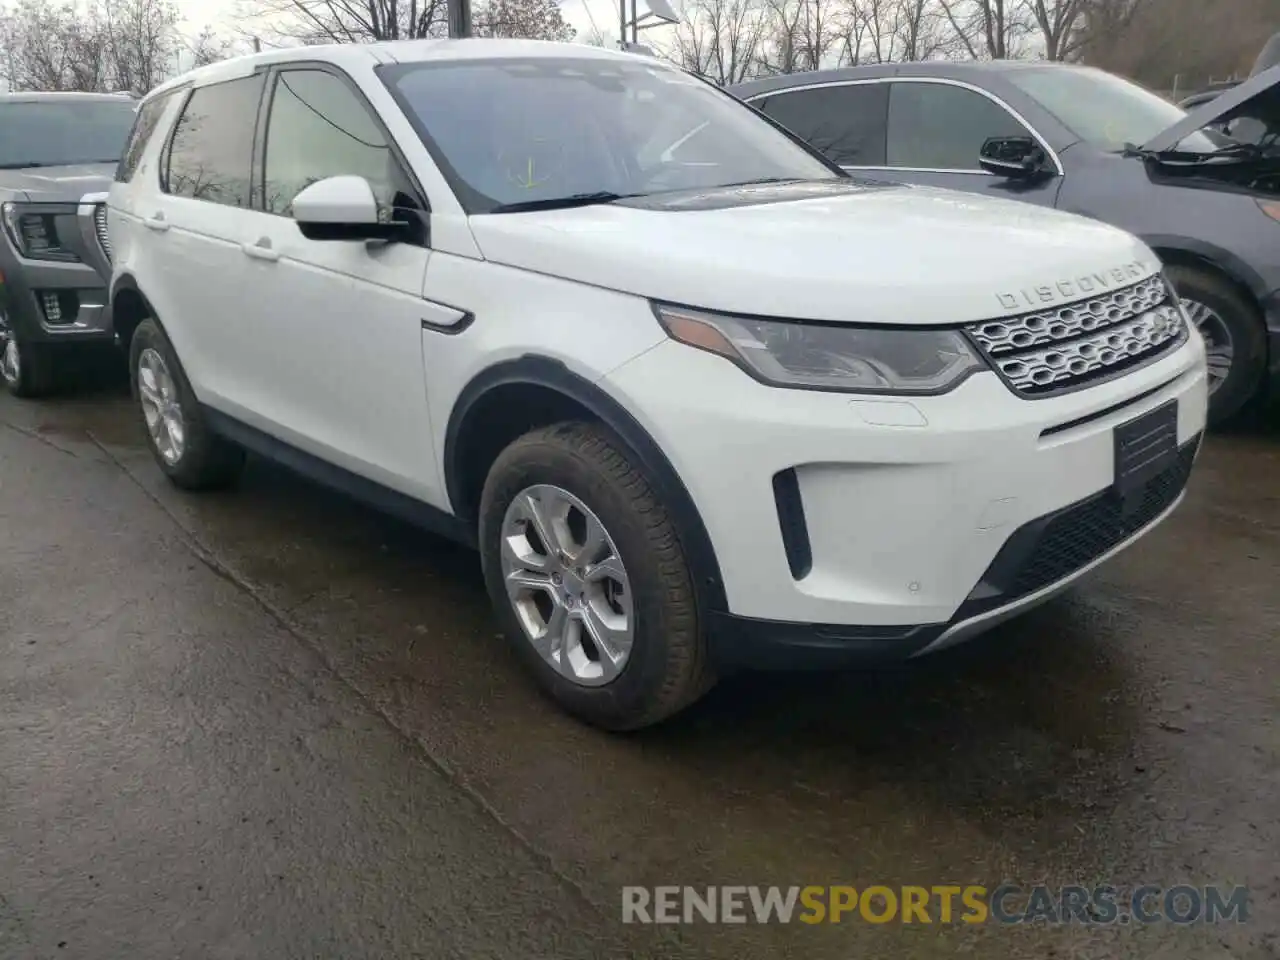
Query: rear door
[(187, 259)]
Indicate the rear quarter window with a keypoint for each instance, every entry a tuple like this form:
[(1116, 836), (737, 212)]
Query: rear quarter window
[(144, 128)]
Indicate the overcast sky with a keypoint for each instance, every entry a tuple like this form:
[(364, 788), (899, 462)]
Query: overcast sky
[(221, 14)]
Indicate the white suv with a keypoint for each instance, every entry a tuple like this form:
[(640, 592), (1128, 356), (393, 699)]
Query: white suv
[(700, 400)]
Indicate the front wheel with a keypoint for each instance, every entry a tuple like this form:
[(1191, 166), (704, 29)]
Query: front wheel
[(1234, 337), (26, 368), (589, 579)]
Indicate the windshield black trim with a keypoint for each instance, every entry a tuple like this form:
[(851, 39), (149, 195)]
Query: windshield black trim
[(474, 202)]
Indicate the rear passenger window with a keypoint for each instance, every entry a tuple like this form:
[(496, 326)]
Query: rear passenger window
[(144, 126), (211, 154), (937, 126), (320, 128), (846, 122)]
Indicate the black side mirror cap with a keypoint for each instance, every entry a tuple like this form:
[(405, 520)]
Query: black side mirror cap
[(1018, 158)]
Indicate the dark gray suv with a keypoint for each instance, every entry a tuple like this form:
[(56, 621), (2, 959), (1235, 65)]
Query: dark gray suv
[(1202, 189), (58, 153)]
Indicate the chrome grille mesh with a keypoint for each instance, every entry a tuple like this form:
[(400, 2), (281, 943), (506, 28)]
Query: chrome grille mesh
[(100, 225), (1090, 339)]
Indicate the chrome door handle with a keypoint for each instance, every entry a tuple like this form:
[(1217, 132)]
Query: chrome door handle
[(261, 250), (156, 222)]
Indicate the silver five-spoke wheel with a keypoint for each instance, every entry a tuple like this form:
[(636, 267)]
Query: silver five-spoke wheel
[(11, 360), (1219, 346), (161, 405), (567, 585)]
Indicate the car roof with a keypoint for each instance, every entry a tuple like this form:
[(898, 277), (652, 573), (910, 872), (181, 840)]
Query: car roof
[(974, 71), (394, 51)]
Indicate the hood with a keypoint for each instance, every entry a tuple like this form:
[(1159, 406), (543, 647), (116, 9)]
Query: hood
[(56, 184), (861, 253), (1217, 108)]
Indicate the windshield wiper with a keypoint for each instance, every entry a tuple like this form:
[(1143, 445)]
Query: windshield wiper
[(760, 180), (1234, 152), (559, 203)]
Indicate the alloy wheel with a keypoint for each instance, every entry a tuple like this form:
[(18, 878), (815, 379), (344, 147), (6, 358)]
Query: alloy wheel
[(10, 355), (161, 406), (1219, 346), (567, 585)]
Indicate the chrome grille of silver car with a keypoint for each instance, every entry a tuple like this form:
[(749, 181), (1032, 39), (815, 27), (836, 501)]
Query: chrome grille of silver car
[(100, 225), (1091, 339)]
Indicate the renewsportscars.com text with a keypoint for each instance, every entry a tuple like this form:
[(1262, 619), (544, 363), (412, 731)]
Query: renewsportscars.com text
[(972, 904)]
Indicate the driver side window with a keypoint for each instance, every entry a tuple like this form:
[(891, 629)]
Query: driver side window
[(318, 128)]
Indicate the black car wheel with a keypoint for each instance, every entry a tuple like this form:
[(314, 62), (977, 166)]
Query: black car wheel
[(1234, 336)]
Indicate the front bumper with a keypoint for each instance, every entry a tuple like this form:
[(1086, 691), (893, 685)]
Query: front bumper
[(850, 529), (56, 301)]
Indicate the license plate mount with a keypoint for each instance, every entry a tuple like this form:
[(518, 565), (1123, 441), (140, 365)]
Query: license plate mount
[(1145, 447)]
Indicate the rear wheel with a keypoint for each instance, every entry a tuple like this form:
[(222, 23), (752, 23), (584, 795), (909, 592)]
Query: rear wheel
[(1234, 336), (589, 579), (190, 454)]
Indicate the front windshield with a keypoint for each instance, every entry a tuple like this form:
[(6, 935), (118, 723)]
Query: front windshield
[(50, 133), (1107, 111), (518, 131)]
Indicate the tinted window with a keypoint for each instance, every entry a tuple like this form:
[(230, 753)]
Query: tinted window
[(320, 128), (847, 123), (1103, 109), (51, 133), (935, 126), (514, 131), (144, 126), (212, 148)]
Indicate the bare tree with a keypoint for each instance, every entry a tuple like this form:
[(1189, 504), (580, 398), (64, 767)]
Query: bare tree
[(143, 41), (800, 35), (528, 19), (54, 47), (1057, 22), (721, 40), (987, 29), (348, 21), (210, 47)]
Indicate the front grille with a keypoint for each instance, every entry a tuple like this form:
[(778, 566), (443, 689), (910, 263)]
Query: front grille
[(1054, 547), (1071, 346), (100, 225)]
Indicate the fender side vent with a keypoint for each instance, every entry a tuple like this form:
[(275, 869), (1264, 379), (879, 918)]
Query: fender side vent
[(795, 532)]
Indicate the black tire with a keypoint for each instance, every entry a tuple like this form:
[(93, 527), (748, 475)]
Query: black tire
[(36, 375), (207, 461), (1248, 338), (669, 665)]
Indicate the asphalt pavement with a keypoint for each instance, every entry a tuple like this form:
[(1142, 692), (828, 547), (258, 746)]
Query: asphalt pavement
[(269, 723)]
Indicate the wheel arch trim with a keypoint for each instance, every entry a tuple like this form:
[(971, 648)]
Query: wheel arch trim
[(540, 371)]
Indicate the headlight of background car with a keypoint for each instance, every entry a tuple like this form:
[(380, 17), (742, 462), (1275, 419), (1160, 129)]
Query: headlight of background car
[(35, 235), (829, 356)]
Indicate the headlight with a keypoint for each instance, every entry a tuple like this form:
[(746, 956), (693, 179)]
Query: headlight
[(35, 235), (829, 356)]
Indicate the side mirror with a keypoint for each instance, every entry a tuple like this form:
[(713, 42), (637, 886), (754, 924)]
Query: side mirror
[(343, 208), (1019, 158)]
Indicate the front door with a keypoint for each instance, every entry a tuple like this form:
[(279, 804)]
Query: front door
[(935, 134), (333, 330)]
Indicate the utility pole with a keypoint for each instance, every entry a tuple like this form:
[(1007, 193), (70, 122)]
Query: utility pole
[(460, 18), (257, 45)]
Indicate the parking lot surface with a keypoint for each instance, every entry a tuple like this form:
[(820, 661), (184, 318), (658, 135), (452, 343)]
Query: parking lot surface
[(270, 723)]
